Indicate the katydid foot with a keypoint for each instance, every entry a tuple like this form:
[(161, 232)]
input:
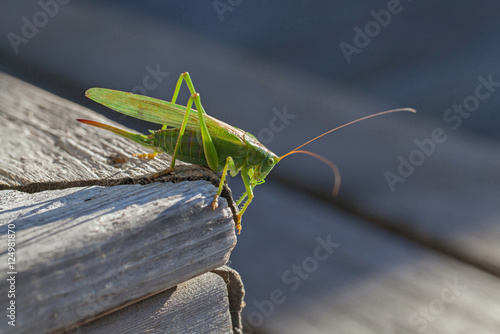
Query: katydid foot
[(215, 203), (238, 223)]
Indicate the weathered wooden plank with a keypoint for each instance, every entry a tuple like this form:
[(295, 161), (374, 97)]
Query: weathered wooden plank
[(452, 195), (85, 251), (450, 201), (200, 305), (43, 143), (334, 273), (44, 147), (82, 252)]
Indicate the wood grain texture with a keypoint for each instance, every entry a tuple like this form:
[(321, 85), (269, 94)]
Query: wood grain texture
[(42, 141), (449, 202), (376, 280), (82, 252), (200, 305), (44, 147)]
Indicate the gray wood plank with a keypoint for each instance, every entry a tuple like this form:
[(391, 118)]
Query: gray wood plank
[(82, 252), (200, 305), (334, 273), (449, 202), (44, 147), (42, 142)]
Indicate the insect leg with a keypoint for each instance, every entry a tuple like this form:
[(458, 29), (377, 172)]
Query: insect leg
[(181, 132), (176, 91), (208, 146), (211, 154), (249, 193), (243, 196), (183, 77), (229, 164), (178, 86)]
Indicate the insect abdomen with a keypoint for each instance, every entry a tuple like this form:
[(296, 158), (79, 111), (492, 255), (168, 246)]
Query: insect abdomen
[(191, 145)]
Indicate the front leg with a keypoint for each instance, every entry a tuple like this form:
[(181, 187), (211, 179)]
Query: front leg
[(229, 165), (249, 192)]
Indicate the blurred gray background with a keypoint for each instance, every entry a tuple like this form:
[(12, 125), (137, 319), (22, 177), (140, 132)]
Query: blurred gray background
[(396, 245)]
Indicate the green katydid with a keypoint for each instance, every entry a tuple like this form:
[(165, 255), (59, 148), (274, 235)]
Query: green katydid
[(193, 136)]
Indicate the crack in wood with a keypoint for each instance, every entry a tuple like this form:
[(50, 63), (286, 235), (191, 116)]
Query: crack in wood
[(180, 174)]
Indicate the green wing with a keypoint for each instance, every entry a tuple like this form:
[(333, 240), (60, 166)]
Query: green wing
[(162, 112)]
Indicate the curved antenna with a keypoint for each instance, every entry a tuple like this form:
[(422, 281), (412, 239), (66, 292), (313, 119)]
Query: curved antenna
[(335, 169), (355, 121)]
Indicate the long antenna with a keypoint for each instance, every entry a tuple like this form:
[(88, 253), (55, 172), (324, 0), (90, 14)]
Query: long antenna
[(334, 167), (352, 122)]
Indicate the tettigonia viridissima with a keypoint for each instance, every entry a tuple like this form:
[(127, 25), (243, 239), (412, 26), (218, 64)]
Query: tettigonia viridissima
[(193, 136)]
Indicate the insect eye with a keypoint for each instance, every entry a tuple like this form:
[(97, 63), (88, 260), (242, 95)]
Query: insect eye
[(270, 161)]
